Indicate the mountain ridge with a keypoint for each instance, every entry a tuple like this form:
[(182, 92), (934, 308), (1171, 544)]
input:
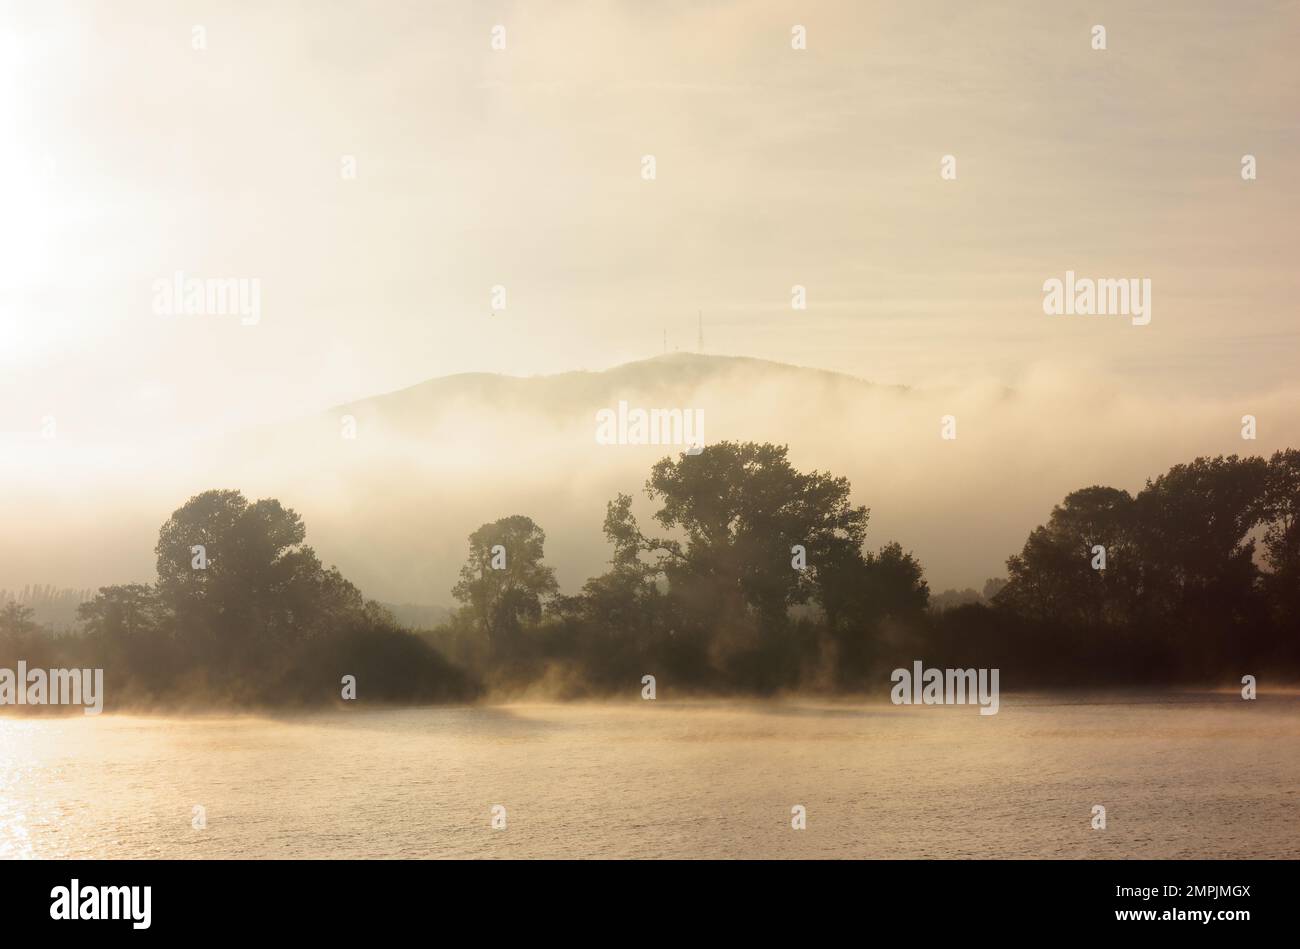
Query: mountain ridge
[(694, 368)]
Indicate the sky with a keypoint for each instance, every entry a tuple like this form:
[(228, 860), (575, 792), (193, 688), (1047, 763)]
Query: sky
[(128, 155)]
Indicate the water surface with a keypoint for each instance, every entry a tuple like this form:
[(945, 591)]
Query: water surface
[(1180, 776)]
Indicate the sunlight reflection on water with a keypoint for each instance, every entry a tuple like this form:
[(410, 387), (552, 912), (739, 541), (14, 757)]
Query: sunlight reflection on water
[(1180, 777)]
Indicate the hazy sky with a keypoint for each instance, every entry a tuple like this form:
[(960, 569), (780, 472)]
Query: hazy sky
[(127, 155)]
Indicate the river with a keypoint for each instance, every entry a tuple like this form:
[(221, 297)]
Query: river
[(1185, 775)]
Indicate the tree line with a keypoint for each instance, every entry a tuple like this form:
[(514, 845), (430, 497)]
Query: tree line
[(758, 578), (242, 612), (750, 576)]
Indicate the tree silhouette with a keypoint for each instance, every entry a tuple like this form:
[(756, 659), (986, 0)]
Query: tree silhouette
[(757, 580), (742, 508), (261, 588), (504, 582), (756, 539), (1054, 575)]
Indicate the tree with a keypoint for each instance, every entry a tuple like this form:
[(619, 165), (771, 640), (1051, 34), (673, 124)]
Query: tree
[(755, 539), (21, 637), (864, 598), (1181, 587), (504, 582), (1054, 576), (896, 583), (743, 509), (1281, 515), (129, 632), (1194, 526), (121, 614), (16, 621), (254, 587)]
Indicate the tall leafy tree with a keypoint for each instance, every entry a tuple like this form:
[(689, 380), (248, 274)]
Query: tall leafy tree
[(1195, 526), (504, 581), (254, 584), (1057, 575), (738, 511)]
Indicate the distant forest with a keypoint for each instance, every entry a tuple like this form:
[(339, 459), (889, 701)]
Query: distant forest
[(53, 607), (753, 578)]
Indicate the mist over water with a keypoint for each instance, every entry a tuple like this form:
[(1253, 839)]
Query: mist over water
[(1191, 775)]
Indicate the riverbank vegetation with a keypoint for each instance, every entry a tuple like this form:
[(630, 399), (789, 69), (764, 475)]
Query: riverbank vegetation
[(750, 577)]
